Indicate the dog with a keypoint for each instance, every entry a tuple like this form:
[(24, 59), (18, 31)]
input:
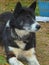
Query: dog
[(18, 34)]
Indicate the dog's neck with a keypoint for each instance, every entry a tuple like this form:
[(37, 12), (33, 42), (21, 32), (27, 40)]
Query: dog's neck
[(19, 34)]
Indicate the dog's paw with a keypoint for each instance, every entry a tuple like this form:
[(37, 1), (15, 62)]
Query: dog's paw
[(33, 63), (14, 61), (20, 63)]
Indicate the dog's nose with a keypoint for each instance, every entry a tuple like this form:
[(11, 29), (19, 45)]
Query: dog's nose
[(38, 26)]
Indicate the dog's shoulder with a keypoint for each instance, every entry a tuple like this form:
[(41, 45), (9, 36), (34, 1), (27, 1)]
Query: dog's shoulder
[(5, 16)]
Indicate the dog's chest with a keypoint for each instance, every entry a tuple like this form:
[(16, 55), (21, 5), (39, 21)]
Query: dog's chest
[(23, 35)]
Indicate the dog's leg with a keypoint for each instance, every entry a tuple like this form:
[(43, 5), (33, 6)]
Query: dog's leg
[(13, 60), (11, 57), (31, 57), (33, 60)]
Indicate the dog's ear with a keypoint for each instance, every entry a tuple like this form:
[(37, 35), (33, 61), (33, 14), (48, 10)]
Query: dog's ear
[(18, 8), (33, 5)]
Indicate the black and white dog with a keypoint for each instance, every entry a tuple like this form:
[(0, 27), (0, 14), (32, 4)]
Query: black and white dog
[(18, 34)]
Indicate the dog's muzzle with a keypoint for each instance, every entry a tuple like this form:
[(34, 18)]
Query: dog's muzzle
[(33, 28)]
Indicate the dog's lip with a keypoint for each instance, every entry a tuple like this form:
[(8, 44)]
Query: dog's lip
[(31, 30)]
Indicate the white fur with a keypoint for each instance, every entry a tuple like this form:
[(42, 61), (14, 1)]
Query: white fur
[(33, 60), (14, 61), (21, 44), (12, 34), (7, 24), (33, 50), (33, 27), (21, 32), (10, 48)]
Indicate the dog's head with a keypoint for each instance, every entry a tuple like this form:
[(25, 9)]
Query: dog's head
[(24, 18)]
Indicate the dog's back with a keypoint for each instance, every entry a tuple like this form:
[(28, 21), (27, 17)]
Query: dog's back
[(4, 17)]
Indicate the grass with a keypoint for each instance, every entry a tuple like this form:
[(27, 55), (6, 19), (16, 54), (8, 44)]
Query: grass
[(8, 5), (42, 36), (2, 60), (43, 44)]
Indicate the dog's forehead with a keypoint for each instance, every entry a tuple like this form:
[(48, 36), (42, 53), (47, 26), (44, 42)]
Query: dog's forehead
[(25, 15), (27, 11)]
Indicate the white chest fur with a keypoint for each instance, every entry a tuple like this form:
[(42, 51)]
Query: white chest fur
[(21, 44), (20, 33)]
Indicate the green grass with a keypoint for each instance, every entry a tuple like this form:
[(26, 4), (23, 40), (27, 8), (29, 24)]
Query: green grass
[(2, 60)]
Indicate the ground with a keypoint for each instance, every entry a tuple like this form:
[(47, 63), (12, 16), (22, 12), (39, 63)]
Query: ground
[(42, 48)]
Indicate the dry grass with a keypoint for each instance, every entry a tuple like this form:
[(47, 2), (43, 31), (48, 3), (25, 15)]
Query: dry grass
[(9, 5), (43, 44)]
